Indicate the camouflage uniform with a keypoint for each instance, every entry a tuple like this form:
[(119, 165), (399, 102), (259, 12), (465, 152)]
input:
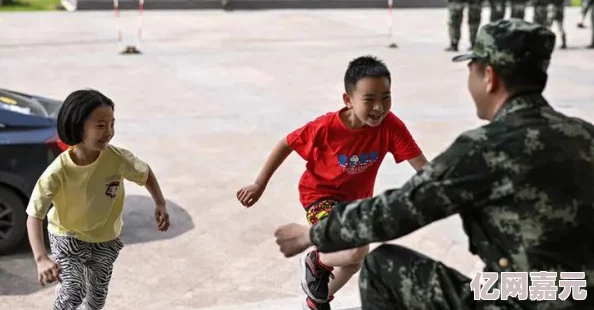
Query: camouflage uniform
[(522, 185), (540, 12), (518, 8), (592, 26), (588, 5), (226, 4), (557, 14), (497, 10), (455, 9)]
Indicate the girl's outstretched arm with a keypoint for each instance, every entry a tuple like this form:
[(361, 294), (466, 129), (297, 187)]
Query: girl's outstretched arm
[(152, 185), (161, 215)]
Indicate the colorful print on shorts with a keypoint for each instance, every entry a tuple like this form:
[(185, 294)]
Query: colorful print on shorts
[(319, 209)]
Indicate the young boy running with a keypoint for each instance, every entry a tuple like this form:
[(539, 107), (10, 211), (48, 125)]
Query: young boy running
[(343, 150)]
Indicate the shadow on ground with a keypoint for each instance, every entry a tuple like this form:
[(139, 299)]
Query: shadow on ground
[(140, 225), (18, 272)]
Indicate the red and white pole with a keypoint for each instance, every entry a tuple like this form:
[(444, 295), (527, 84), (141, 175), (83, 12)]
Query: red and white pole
[(390, 16), (116, 10), (140, 21), (131, 49), (391, 23)]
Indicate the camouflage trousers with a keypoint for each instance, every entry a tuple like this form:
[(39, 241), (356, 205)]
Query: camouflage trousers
[(455, 15), (557, 15), (592, 21), (541, 12), (544, 17), (586, 6), (395, 277), (518, 9)]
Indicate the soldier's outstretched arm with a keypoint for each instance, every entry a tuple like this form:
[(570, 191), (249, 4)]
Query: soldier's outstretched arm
[(456, 181)]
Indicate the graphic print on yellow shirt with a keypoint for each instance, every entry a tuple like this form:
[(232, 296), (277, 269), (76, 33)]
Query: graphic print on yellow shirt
[(87, 200)]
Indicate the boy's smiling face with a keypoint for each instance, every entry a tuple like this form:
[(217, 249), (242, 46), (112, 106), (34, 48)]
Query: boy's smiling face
[(370, 101)]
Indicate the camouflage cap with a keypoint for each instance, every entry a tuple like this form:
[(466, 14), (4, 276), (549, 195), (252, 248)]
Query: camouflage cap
[(513, 44)]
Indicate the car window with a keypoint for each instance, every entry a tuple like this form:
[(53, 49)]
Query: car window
[(19, 104)]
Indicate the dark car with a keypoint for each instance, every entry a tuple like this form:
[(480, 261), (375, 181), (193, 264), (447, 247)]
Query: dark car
[(28, 144)]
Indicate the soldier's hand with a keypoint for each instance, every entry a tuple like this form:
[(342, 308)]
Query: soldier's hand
[(292, 239)]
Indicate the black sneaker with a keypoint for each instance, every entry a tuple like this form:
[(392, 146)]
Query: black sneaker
[(310, 304), (452, 48), (315, 277)]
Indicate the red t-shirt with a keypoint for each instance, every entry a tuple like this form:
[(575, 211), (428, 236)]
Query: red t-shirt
[(342, 163)]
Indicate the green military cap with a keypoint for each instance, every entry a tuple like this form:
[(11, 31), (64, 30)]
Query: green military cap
[(513, 44)]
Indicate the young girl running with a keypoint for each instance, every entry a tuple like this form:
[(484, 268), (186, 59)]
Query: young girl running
[(85, 185)]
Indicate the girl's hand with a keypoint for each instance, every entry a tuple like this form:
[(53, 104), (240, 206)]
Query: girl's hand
[(48, 271), (162, 218), (250, 194)]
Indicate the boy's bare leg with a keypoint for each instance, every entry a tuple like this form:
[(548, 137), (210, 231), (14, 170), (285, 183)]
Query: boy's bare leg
[(346, 263), (342, 275)]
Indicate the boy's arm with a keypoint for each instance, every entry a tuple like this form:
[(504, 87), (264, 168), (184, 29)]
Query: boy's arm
[(302, 141), (278, 155), (418, 162), (404, 147)]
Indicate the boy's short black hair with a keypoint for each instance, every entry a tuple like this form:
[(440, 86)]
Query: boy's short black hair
[(76, 110), (362, 67)]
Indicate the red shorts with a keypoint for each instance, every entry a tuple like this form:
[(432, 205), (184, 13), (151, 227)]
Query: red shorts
[(319, 209)]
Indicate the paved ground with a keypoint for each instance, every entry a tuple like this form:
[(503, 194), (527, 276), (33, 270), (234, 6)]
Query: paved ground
[(206, 103)]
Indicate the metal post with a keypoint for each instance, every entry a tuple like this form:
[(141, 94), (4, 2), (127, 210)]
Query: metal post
[(391, 19)]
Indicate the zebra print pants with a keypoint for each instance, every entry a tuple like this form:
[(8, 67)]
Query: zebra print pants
[(86, 271)]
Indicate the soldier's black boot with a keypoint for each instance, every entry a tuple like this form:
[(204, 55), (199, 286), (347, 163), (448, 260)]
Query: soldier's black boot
[(563, 41), (453, 47)]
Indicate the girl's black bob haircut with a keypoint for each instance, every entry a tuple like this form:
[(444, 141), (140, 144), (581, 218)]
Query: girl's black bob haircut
[(76, 110)]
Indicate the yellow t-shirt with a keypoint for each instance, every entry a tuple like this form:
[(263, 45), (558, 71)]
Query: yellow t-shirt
[(88, 200)]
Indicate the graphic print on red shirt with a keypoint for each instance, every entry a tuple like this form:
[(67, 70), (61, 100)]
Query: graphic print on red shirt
[(342, 163)]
